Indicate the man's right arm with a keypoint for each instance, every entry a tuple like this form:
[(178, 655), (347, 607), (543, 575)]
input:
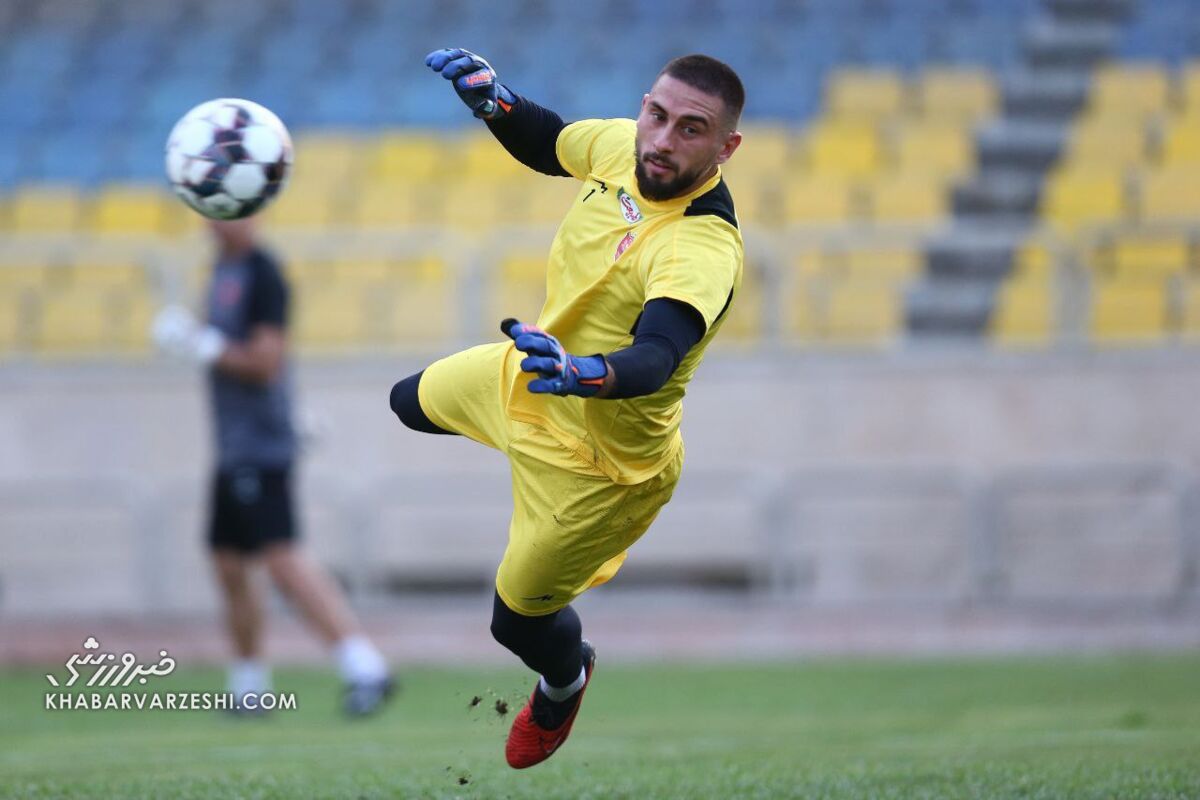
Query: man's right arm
[(530, 133), (525, 129)]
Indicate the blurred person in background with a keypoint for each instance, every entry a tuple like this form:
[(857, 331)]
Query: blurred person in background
[(640, 276), (243, 346)]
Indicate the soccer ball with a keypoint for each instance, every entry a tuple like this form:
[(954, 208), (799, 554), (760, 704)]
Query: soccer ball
[(228, 158)]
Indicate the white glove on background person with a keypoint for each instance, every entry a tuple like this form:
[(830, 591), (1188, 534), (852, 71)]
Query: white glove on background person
[(176, 332)]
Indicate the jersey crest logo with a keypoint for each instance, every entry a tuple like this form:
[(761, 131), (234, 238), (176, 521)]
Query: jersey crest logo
[(624, 245), (629, 209)]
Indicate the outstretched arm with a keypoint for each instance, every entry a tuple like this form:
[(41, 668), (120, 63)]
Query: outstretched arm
[(525, 129), (665, 332)]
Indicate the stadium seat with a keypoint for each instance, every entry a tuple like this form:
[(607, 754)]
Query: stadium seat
[(11, 304), (1078, 198), (480, 156), (401, 157), (818, 201), (960, 95), (765, 151), (85, 320), (1129, 90), (335, 317), (131, 209), (1169, 194), (305, 204), (904, 198), (1128, 311), (1189, 89), (1033, 261), (1144, 256), (1024, 311), (1181, 142), (864, 95), (329, 159), (880, 263), (1189, 318), (863, 312), (937, 148), (1107, 142), (849, 149), (46, 207)]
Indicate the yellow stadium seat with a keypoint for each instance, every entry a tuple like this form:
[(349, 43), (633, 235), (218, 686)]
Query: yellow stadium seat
[(402, 157), (1189, 89), (902, 198), (934, 148), (329, 158), (882, 263), (123, 208), (1129, 89), (91, 273), (1189, 321), (480, 156), (1128, 311), (1181, 142), (1107, 142), (743, 325), (551, 198), (957, 94), (88, 320), (46, 208), (863, 312), (1024, 311), (1144, 256), (865, 94), (803, 312), (818, 201), (843, 149), (1033, 261), (335, 317), (1170, 194), (26, 276), (765, 151), (1078, 198), (471, 205), (422, 314), (12, 303), (303, 205)]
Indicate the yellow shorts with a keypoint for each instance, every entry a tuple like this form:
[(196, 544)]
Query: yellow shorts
[(570, 527)]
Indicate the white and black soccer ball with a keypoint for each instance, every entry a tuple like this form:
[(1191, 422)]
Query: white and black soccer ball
[(228, 158)]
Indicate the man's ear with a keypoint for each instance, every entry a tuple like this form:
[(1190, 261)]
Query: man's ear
[(731, 144)]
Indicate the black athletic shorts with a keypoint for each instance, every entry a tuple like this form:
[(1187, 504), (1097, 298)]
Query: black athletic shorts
[(251, 508)]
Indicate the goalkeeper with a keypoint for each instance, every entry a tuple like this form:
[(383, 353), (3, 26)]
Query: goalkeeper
[(586, 403)]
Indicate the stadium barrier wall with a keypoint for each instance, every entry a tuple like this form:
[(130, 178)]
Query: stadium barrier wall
[(919, 479)]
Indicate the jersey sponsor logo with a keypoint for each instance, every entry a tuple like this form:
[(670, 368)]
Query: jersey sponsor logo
[(624, 245), (629, 209)]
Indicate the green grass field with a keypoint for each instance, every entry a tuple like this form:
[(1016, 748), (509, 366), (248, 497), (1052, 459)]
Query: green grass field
[(1115, 727)]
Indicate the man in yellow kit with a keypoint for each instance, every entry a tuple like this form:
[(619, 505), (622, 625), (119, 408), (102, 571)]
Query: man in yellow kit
[(641, 274)]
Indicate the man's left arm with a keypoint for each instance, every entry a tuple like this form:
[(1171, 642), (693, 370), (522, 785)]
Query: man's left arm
[(665, 333)]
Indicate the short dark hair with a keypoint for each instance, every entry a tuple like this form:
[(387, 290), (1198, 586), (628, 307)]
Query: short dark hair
[(711, 77)]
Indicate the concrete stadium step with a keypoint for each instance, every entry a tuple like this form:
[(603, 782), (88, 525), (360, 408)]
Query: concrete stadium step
[(1089, 10), (1027, 148), (937, 308), (1052, 95), (975, 252), (1008, 197), (1075, 43)]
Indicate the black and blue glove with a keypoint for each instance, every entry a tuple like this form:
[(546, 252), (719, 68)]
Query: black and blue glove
[(559, 372), (474, 80)]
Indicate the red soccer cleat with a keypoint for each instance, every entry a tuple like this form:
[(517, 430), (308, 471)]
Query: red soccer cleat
[(530, 741)]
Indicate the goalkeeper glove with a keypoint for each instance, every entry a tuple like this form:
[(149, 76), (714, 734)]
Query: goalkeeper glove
[(177, 333), (474, 80), (559, 372)]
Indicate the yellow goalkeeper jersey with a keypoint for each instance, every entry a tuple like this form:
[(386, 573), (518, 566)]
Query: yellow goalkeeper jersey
[(614, 252)]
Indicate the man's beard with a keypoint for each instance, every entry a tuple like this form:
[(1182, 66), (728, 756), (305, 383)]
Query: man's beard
[(653, 189)]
